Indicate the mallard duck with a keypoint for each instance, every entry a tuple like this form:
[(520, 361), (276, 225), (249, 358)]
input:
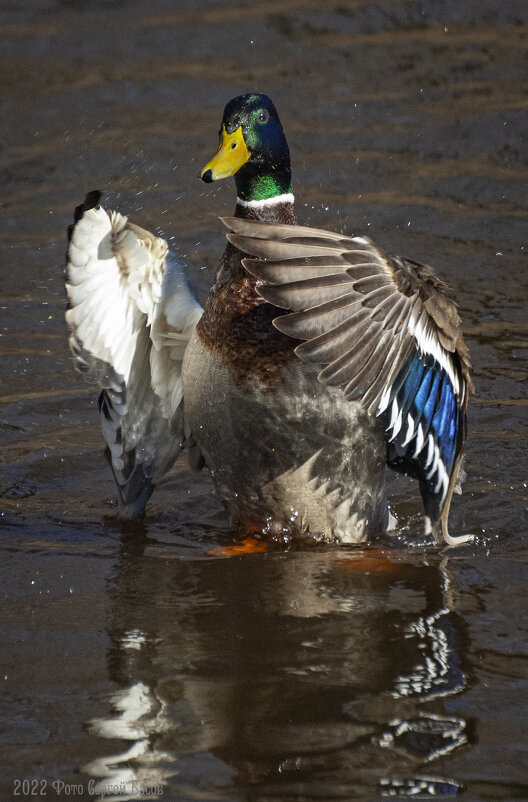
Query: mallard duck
[(317, 361)]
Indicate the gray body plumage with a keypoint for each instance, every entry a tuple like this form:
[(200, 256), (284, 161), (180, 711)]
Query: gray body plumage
[(296, 459)]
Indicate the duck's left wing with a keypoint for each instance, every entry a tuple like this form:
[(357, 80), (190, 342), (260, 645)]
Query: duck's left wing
[(385, 331), (131, 315)]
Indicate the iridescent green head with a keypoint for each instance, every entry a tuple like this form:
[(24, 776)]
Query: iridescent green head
[(253, 148)]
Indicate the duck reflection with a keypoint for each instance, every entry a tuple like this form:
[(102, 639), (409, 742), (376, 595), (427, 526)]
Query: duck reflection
[(272, 674)]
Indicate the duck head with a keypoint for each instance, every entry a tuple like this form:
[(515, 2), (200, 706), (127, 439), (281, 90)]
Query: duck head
[(253, 149)]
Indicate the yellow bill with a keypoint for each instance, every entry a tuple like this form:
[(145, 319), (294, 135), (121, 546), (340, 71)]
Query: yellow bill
[(230, 157)]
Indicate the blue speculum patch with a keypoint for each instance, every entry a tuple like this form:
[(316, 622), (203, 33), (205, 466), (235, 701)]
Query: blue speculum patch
[(425, 398)]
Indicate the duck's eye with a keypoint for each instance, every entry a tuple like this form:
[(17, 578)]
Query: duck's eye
[(263, 116)]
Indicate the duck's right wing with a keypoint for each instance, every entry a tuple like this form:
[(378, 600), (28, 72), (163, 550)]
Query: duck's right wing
[(131, 314)]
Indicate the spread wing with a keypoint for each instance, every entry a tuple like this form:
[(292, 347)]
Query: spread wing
[(384, 330), (131, 315)]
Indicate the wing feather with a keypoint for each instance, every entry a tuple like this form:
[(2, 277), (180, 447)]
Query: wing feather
[(131, 315), (318, 320), (384, 330)]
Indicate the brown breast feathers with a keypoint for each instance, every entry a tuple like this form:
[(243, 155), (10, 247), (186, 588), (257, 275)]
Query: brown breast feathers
[(237, 322)]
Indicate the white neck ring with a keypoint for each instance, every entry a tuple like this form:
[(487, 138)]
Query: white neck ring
[(258, 204)]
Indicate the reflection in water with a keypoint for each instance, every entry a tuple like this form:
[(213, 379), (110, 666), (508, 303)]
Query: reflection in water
[(293, 671)]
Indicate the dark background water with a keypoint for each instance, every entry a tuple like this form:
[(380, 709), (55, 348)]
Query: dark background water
[(143, 655)]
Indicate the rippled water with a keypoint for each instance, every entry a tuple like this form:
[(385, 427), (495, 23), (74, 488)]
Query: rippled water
[(143, 655)]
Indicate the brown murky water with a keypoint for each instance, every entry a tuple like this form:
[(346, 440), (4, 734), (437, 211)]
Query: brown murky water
[(139, 662)]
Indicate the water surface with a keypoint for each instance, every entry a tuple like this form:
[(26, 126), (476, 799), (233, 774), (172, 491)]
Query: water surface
[(142, 656)]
